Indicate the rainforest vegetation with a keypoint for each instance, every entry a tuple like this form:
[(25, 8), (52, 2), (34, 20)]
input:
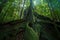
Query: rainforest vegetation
[(29, 19)]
